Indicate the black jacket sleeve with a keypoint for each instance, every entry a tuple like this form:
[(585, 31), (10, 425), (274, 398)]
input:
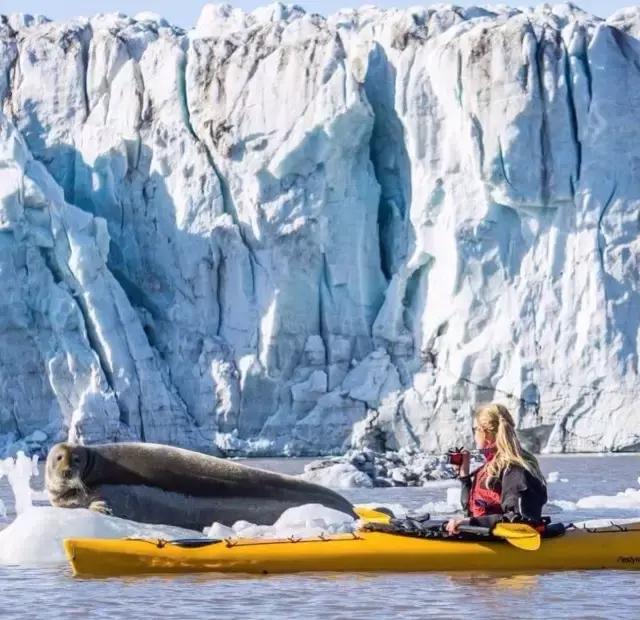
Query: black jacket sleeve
[(522, 499), (465, 493)]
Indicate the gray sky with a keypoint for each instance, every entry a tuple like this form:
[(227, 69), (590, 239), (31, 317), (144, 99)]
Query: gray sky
[(185, 12)]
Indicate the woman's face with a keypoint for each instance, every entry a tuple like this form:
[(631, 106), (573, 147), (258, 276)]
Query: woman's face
[(481, 438)]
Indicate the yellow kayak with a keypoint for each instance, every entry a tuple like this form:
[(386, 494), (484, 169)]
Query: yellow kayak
[(616, 547)]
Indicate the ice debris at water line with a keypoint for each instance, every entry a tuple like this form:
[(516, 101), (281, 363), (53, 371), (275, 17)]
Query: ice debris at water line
[(368, 468), (306, 521), (35, 536), (554, 476), (629, 499)]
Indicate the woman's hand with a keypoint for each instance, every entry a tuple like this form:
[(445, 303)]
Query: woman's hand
[(452, 525)]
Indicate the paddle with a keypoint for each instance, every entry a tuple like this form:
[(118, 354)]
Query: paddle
[(519, 535), (371, 514)]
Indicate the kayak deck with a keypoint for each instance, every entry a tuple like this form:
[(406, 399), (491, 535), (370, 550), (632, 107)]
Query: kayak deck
[(578, 549)]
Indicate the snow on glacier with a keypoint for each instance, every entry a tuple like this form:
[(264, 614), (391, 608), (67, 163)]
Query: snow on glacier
[(280, 233)]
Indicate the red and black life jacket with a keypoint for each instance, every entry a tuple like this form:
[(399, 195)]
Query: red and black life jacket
[(485, 500)]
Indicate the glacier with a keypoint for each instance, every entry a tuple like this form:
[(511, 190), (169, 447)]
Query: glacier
[(280, 233)]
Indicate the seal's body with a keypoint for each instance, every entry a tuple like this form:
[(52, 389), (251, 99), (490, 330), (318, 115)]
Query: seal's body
[(160, 484)]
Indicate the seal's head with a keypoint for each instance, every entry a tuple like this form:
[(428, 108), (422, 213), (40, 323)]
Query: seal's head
[(66, 464)]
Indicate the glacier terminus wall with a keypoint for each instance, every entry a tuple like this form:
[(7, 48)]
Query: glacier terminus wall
[(279, 233)]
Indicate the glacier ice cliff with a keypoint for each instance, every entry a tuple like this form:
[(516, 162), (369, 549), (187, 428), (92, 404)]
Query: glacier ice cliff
[(279, 233)]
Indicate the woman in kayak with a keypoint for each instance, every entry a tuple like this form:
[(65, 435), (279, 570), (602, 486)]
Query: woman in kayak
[(510, 485)]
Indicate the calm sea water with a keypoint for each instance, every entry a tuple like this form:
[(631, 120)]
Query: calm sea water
[(54, 593)]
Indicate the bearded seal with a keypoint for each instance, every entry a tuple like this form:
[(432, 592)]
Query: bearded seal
[(159, 484)]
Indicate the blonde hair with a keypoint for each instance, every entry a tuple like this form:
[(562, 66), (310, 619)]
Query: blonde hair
[(496, 422)]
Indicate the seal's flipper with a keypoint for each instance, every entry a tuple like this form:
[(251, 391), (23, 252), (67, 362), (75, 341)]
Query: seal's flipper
[(101, 506)]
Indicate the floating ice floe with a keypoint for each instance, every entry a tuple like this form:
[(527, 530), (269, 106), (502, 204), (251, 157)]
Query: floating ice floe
[(628, 499), (338, 476), (449, 506), (554, 476), (563, 504), (35, 537), (306, 521), (440, 509)]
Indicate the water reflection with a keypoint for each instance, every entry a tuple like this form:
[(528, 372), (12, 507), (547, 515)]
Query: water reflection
[(504, 581)]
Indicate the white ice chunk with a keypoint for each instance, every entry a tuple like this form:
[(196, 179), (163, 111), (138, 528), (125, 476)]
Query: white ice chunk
[(19, 471), (35, 537), (219, 531), (628, 499), (307, 521), (314, 517), (454, 497), (338, 476), (563, 504), (447, 507), (554, 477)]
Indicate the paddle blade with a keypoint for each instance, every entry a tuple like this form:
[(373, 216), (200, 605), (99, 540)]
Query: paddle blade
[(371, 515), (519, 535)]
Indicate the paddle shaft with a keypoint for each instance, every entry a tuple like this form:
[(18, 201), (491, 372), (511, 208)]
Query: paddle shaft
[(475, 529)]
